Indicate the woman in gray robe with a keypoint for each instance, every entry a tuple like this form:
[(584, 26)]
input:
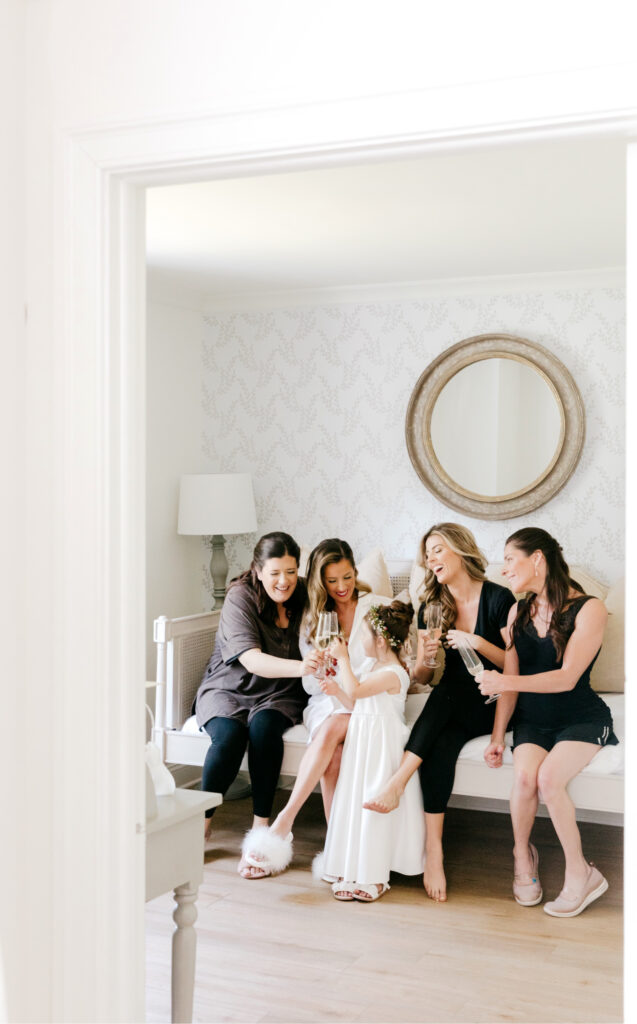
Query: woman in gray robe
[(251, 692)]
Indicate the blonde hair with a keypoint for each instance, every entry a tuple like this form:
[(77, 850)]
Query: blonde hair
[(462, 543), (326, 553)]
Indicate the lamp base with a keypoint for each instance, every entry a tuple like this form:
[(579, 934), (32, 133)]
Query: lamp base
[(218, 569)]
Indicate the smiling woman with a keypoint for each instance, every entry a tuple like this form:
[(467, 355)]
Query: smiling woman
[(251, 692)]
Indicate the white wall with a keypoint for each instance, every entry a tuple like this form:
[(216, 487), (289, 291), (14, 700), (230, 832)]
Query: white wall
[(173, 444), (312, 402), (25, 805), (92, 65)]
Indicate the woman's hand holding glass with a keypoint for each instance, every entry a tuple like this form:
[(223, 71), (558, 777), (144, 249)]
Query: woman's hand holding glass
[(475, 668), (433, 628), (326, 631), (490, 683), (311, 663), (427, 648), (456, 637)]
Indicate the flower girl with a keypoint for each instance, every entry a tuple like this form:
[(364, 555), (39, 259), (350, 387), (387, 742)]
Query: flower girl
[(362, 847)]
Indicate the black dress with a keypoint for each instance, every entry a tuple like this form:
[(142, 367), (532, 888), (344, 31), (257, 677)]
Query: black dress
[(455, 711), (545, 719)]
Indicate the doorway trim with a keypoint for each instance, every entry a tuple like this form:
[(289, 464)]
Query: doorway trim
[(100, 338)]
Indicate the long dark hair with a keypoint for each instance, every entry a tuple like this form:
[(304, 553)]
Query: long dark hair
[(274, 545), (558, 585)]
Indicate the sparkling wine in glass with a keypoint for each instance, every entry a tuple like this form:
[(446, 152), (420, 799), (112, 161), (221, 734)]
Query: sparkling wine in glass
[(473, 665), (334, 631), (433, 626), (323, 637)]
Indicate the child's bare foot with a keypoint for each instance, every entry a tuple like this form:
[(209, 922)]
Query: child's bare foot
[(434, 879), (207, 831), (386, 801)]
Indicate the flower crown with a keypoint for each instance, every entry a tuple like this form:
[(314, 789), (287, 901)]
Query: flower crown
[(379, 626)]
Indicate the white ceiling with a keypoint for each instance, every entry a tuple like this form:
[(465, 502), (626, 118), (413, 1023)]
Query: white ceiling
[(521, 209)]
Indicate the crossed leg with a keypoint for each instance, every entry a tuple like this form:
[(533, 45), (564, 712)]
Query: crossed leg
[(321, 761)]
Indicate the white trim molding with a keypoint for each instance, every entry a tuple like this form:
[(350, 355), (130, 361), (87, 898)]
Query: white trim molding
[(160, 290)]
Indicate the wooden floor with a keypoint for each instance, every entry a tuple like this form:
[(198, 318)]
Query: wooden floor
[(283, 950)]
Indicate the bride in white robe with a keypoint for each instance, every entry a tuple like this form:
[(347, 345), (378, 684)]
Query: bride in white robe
[(332, 585), (321, 705)]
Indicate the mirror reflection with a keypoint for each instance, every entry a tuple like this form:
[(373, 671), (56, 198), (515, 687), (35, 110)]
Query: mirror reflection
[(497, 427)]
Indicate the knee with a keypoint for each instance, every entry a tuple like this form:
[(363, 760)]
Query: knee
[(333, 731), (266, 730), (550, 783), (526, 782)]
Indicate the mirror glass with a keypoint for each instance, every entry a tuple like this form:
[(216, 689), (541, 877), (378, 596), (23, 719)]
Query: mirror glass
[(497, 427)]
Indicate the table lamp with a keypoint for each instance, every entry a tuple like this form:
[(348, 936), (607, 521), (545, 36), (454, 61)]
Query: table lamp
[(214, 504)]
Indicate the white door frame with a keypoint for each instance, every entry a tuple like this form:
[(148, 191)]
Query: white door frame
[(100, 337)]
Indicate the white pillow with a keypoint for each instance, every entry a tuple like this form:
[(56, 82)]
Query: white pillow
[(416, 585), (373, 571)]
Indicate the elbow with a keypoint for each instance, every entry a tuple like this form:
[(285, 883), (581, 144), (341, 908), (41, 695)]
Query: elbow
[(568, 682)]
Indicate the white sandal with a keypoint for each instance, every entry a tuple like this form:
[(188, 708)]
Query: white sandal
[(263, 849), (343, 890), (372, 892)]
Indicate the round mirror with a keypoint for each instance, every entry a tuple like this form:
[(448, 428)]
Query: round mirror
[(495, 426)]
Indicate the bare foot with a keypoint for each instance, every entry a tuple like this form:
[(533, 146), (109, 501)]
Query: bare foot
[(249, 871), (207, 832), (386, 801), (434, 879)]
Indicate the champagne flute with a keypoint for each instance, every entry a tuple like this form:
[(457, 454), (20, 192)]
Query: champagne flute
[(323, 638), (334, 633), (473, 664), (433, 627)]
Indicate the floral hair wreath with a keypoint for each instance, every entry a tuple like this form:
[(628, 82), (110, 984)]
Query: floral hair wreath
[(379, 626)]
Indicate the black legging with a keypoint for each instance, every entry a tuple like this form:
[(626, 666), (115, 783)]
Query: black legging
[(439, 734), (229, 738)]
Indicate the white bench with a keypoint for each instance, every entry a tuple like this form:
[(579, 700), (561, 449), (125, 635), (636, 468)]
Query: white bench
[(184, 646)]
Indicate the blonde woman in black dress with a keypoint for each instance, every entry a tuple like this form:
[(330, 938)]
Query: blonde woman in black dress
[(475, 611)]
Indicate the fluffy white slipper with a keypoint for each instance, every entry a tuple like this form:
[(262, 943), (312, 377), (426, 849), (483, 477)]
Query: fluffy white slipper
[(262, 848)]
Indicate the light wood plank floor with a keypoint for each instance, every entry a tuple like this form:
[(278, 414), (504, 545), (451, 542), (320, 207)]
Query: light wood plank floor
[(283, 950)]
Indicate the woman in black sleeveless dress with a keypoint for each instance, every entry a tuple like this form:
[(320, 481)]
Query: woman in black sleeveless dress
[(474, 610), (559, 722)]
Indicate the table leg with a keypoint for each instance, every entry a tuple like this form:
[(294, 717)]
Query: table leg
[(184, 952)]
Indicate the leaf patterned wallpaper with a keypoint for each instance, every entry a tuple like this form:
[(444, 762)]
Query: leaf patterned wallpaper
[(312, 403)]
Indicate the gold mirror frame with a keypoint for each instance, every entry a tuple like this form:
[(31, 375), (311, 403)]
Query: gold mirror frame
[(424, 397)]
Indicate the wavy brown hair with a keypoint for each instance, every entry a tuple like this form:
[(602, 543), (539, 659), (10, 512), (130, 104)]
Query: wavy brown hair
[(274, 545), (393, 622), (462, 543), (326, 553), (559, 583)]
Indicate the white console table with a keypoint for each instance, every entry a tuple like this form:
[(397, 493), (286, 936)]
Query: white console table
[(174, 860)]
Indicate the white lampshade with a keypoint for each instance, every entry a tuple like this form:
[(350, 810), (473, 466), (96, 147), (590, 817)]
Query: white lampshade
[(216, 503)]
